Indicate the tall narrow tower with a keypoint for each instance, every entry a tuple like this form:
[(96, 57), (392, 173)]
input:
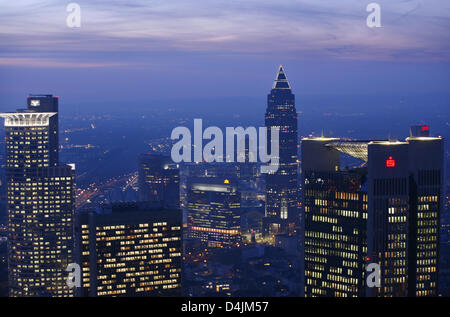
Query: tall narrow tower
[(40, 203), (48, 103), (281, 186)]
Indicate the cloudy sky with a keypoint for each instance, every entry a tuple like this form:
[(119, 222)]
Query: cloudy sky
[(191, 48)]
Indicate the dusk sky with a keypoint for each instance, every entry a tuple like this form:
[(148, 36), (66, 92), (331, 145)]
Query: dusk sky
[(153, 49)]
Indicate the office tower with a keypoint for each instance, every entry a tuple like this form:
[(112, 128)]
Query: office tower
[(40, 207), (159, 179), (404, 185), (130, 249), (281, 186), (48, 104), (405, 205), (335, 207), (214, 213)]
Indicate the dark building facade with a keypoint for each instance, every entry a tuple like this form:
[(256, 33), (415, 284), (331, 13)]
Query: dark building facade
[(405, 206), (281, 186), (129, 249), (159, 179), (335, 207), (40, 201), (397, 211)]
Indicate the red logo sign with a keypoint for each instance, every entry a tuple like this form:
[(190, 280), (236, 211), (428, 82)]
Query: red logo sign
[(390, 162), (425, 128)]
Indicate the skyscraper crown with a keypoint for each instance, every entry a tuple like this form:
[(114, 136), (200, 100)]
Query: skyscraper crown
[(281, 81)]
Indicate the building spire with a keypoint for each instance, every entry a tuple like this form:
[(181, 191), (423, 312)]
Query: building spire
[(281, 81)]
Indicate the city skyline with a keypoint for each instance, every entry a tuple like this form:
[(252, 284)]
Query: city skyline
[(153, 152), (226, 223)]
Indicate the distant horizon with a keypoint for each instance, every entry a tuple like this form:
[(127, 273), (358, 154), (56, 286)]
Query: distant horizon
[(189, 48)]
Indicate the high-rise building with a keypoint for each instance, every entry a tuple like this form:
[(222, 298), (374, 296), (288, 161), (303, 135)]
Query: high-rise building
[(281, 186), (48, 104), (159, 179), (214, 213), (40, 202), (335, 206), (129, 249), (405, 205), (393, 205)]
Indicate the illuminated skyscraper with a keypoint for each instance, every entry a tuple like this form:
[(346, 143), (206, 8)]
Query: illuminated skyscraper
[(40, 206), (214, 213), (159, 179), (130, 249), (405, 205), (49, 104), (335, 205), (396, 215), (281, 186)]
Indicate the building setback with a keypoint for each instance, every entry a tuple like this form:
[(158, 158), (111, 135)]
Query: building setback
[(49, 104)]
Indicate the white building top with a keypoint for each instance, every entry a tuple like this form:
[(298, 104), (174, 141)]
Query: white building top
[(27, 119)]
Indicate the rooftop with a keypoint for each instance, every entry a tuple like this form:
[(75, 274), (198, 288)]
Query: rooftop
[(281, 81)]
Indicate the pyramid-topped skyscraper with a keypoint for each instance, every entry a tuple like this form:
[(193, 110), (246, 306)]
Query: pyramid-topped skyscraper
[(281, 81), (281, 186)]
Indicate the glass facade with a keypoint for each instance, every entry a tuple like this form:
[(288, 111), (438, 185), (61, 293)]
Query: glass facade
[(214, 214), (335, 234), (335, 214), (281, 186), (40, 206), (386, 212)]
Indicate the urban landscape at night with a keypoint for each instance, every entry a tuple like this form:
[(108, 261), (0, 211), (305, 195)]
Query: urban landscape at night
[(209, 151)]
